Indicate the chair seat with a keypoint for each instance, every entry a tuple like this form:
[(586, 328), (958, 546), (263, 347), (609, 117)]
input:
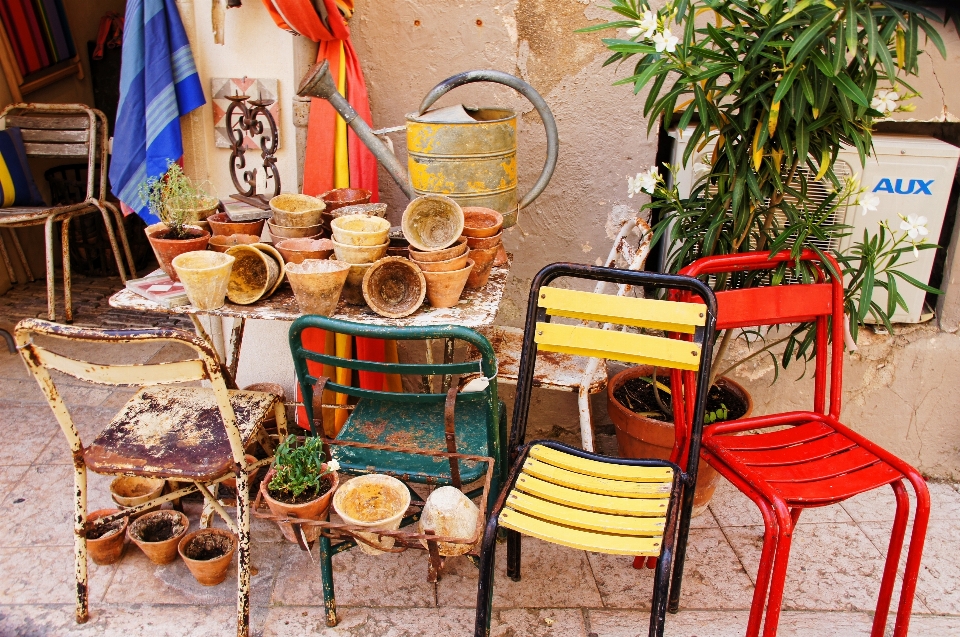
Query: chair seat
[(175, 432), (35, 215), (381, 422), (810, 464), (553, 370), (588, 504)]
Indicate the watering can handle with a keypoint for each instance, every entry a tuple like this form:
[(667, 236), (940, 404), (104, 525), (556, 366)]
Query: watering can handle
[(549, 123)]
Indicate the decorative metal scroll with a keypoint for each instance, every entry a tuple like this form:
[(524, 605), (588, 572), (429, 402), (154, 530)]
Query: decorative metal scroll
[(244, 119)]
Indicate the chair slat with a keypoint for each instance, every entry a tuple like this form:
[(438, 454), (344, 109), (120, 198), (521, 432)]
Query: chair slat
[(575, 538), (55, 150), (57, 136), (631, 348), (620, 488), (49, 122), (669, 316), (592, 501), (580, 518), (773, 305), (598, 469), (134, 375)]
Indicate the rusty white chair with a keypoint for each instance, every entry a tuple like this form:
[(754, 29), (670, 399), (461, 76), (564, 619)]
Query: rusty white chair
[(63, 131), (565, 372), (193, 435)]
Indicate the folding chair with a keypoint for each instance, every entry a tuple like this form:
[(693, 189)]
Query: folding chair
[(188, 434), (585, 500)]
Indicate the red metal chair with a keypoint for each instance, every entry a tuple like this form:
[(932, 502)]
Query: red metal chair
[(816, 461)]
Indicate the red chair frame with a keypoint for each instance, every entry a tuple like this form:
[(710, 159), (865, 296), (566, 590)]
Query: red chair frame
[(818, 461)]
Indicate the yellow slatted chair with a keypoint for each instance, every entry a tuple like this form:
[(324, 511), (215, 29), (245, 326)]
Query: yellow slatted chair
[(194, 435), (583, 500)]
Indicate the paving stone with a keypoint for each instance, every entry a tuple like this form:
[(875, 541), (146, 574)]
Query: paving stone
[(124, 621), (26, 430), (704, 623), (30, 574), (9, 476), (879, 505)]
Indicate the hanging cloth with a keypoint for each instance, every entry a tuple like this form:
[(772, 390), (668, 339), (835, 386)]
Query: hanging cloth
[(158, 85), (325, 165)]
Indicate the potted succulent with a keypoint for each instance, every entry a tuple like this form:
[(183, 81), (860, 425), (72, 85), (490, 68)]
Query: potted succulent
[(772, 88), (178, 202), (300, 484)]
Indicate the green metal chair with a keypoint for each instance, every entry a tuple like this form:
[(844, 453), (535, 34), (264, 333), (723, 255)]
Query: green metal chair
[(405, 419)]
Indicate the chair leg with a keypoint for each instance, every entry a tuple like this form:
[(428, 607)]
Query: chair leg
[(111, 235), (586, 422), (683, 533), (243, 554), (485, 583), (513, 555), (785, 521), (326, 577), (206, 517), (65, 248), (51, 281), (80, 541), (911, 570), (122, 229), (23, 256), (280, 413), (11, 273), (893, 559)]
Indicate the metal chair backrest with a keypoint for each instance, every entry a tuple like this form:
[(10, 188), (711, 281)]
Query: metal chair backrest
[(40, 359), (820, 302), (62, 131), (486, 364)]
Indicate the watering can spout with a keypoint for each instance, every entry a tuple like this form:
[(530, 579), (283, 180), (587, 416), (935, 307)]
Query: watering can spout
[(319, 83)]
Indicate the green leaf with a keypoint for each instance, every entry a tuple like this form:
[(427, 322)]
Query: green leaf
[(811, 33), (618, 24), (843, 82), (915, 283)]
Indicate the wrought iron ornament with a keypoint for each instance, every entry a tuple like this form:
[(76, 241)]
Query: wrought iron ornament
[(243, 118)]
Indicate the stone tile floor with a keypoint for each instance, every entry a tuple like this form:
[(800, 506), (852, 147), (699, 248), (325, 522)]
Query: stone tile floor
[(833, 580)]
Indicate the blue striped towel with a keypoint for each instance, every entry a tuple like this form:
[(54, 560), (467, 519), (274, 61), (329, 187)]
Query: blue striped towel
[(158, 84)]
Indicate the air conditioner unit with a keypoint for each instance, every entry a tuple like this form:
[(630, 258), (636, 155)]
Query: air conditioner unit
[(910, 175)]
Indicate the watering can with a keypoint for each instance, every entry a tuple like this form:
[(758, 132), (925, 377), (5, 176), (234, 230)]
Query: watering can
[(471, 158)]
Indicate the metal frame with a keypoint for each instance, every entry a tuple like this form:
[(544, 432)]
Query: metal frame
[(96, 200), (686, 437), (204, 367), (780, 516), (661, 579)]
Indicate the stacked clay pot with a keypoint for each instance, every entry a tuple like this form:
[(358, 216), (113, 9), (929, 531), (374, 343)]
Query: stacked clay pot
[(359, 240), (432, 224), (296, 216), (483, 229)]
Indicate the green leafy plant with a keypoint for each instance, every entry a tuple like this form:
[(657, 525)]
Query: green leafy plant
[(175, 199), (300, 469)]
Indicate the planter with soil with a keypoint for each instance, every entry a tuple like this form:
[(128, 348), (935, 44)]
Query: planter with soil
[(309, 505), (105, 544), (643, 431), (158, 534), (207, 553), (167, 244)]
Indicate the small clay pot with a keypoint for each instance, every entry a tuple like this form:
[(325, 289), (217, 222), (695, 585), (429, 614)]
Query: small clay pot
[(107, 548), (167, 249), (458, 248), (368, 209), (479, 243), (312, 510), (299, 250), (353, 288), (501, 258), (257, 273), (456, 263), (375, 501), (279, 233), (481, 222), (483, 263), (198, 213), (432, 222), (297, 211), (158, 534), (444, 288), (317, 284), (340, 197), (359, 254), (360, 230), (232, 482), (394, 287), (207, 553), (222, 243), (131, 491), (205, 275), (221, 226)]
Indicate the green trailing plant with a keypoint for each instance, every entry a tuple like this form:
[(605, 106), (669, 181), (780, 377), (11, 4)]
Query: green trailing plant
[(175, 199), (300, 469)]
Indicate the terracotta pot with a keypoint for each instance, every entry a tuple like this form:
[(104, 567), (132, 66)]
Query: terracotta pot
[(108, 548), (221, 226), (130, 491), (353, 288), (432, 222), (394, 287), (221, 243), (480, 243), (342, 198), (483, 263), (317, 284), (458, 248), (456, 263), (232, 482), (257, 273), (359, 254), (369, 209), (501, 258), (279, 233), (201, 212), (158, 534), (297, 211), (299, 250), (167, 249), (444, 288), (375, 501), (195, 548), (360, 230), (481, 222), (205, 275), (312, 510), (642, 437)]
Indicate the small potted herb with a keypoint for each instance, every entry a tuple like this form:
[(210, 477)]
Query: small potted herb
[(178, 202), (300, 484)]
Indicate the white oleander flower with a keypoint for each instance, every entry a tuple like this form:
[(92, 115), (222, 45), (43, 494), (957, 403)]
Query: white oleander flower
[(333, 465), (665, 41), (915, 226), (647, 26), (885, 101), (643, 182), (867, 203)]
